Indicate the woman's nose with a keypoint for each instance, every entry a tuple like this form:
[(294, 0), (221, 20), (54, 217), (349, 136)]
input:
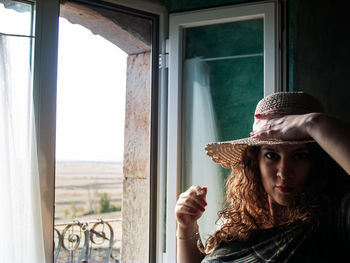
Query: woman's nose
[(284, 170)]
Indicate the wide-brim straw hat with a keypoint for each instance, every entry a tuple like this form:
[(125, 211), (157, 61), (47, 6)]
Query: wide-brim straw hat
[(229, 153)]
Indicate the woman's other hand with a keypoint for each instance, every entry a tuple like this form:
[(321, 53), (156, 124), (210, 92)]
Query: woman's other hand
[(190, 206)]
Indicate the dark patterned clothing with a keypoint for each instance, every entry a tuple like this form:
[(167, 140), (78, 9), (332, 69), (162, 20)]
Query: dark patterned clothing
[(294, 243)]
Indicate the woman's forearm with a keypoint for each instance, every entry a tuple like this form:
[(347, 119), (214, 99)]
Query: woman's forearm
[(333, 136), (187, 249)]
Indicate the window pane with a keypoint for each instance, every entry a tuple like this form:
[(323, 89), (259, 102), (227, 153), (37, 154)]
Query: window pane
[(15, 18), (103, 133), (20, 188), (223, 79)]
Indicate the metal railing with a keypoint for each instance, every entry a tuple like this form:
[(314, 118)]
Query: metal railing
[(77, 240)]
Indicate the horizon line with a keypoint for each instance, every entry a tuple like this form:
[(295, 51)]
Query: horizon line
[(89, 161)]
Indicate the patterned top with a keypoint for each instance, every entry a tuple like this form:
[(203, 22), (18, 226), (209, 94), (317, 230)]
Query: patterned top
[(294, 243)]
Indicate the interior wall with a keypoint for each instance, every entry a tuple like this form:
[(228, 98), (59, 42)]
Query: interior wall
[(183, 5), (321, 53)]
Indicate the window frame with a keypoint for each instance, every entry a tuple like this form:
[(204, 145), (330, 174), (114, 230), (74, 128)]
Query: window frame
[(44, 95), (271, 11), (158, 173)]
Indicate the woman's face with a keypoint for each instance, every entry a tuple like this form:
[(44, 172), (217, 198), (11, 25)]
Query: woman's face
[(284, 171)]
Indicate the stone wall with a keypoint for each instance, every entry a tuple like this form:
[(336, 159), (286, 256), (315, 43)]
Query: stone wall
[(135, 208), (130, 33)]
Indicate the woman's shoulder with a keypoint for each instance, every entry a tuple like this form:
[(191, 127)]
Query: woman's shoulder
[(262, 244), (338, 185), (338, 192), (295, 242)]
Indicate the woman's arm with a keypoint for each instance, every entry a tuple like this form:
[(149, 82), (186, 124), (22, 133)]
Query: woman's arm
[(332, 134), (189, 208), (187, 249)]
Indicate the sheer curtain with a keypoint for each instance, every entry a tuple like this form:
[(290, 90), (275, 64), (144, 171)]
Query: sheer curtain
[(21, 223), (199, 128)]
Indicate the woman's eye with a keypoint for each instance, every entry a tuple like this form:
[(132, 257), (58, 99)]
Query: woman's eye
[(272, 156), (301, 156)]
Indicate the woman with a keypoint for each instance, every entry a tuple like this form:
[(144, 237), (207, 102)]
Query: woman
[(286, 199)]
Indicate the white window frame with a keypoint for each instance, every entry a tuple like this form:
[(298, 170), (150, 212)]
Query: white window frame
[(44, 96), (177, 22), (45, 90), (156, 246)]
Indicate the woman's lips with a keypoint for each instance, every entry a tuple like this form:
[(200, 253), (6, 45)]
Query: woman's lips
[(284, 188)]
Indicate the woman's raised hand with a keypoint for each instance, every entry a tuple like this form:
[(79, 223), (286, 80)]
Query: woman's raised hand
[(290, 127), (190, 206), (330, 133)]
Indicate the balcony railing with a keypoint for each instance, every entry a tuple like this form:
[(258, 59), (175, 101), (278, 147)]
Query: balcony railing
[(86, 241)]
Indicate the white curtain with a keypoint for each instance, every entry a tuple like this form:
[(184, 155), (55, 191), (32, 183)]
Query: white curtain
[(199, 128), (20, 220)]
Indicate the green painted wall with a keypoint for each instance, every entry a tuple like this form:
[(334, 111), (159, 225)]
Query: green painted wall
[(183, 5)]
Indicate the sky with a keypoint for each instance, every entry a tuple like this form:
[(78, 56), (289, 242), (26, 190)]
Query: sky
[(90, 96), (90, 91)]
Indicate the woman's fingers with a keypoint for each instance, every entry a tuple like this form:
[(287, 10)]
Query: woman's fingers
[(270, 115), (196, 190), (184, 209), (268, 130), (191, 205), (289, 127), (195, 198), (192, 202)]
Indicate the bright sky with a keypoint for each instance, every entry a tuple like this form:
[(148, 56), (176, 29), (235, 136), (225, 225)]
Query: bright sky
[(91, 96), (91, 91), (12, 22)]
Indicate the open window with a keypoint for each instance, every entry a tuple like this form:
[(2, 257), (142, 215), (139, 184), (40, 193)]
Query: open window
[(105, 201), (140, 175), (241, 65), (222, 62)]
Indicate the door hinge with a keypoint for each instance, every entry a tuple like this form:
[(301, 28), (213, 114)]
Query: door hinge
[(163, 60), (164, 57)]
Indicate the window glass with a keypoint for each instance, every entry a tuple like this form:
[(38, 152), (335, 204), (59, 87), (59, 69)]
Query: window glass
[(20, 185), (15, 18), (103, 134), (223, 79)]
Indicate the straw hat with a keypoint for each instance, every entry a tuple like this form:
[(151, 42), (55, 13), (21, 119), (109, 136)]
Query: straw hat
[(229, 153)]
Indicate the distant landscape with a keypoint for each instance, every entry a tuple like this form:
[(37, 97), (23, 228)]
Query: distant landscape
[(89, 191), (81, 185)]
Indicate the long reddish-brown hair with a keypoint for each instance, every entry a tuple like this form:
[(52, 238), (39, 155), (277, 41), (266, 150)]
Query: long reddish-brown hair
[(246, 204)]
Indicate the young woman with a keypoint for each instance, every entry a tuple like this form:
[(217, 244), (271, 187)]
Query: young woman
[(288, 196)]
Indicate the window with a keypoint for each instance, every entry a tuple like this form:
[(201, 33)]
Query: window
[(167, 122), (222, 61), (89, 142), (19, 189), (136, 33), (44, 107)]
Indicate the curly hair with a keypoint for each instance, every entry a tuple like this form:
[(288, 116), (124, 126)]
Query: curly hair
[(246, 204)]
